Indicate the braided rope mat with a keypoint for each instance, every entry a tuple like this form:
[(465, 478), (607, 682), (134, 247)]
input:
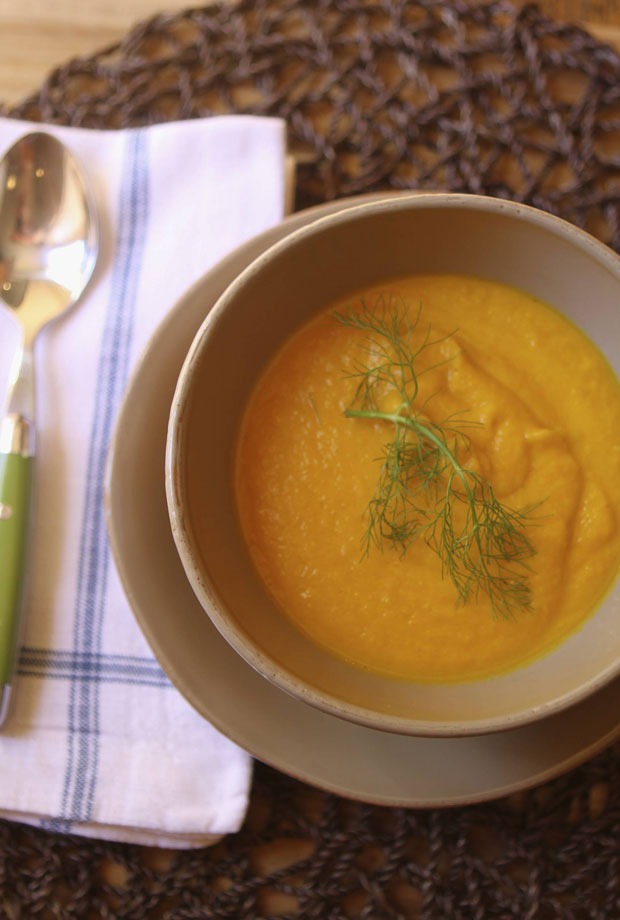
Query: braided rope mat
[(389, 94)]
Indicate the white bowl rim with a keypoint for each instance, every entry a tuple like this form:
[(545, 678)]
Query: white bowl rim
[(259, 660)]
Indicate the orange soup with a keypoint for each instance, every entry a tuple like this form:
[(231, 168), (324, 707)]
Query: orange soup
[(540, 407)]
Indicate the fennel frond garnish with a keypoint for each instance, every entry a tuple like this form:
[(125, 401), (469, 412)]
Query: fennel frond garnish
[(423, 489)]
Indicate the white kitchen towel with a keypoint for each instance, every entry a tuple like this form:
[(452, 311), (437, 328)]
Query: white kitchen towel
[(99, 743)]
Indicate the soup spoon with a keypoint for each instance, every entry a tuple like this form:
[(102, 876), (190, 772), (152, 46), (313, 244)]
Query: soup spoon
[(48, 248)]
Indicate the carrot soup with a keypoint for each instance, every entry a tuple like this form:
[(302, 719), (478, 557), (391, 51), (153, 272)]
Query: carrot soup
[(438, 502)]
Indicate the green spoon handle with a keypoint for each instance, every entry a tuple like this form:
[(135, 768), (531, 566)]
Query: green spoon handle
[(16, 474)]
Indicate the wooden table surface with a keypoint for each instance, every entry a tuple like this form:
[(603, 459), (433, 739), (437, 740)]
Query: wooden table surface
[(37, 35)]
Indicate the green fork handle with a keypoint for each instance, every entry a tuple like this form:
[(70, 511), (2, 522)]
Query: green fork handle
[(16, 474)]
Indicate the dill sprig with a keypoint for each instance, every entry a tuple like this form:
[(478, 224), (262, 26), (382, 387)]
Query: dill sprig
[(423, 489)]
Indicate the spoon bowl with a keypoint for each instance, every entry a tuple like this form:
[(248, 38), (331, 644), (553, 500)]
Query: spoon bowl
[(48, 234), (48, 248)]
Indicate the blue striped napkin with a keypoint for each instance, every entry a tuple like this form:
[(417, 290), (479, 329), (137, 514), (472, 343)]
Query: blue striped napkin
[(99, 743)]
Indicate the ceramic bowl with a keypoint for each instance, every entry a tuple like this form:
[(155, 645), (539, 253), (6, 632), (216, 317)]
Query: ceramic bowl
[(320, 263)]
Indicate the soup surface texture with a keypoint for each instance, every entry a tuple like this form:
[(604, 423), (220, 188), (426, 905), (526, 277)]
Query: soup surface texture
[(547, 408)]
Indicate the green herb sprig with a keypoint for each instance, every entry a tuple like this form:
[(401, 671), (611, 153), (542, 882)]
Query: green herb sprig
[(423, 489)]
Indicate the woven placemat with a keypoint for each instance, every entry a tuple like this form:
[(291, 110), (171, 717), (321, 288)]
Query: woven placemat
[(377, 95)]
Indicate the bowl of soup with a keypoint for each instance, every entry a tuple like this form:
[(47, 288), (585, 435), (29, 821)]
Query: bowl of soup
[(393, 464)]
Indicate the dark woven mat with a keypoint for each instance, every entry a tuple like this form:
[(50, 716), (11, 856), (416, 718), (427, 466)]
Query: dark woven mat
[(377, 95)]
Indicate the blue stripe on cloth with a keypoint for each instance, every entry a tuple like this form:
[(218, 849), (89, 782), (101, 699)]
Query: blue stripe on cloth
[(30, 653), (88, 666), (57, 825), (90, 606), (128, 680)]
